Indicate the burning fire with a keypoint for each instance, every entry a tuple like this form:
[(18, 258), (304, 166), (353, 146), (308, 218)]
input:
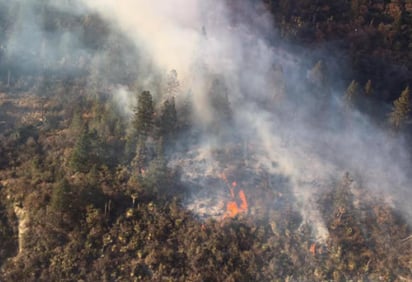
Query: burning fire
[(232, 207), (312, 249)]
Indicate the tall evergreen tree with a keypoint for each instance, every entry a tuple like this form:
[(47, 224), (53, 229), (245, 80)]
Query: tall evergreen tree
[(167, 123), (368, 88), (317, 75), (350, 93), (61, 197), (88, 151), (400, 110), (79, 160), (143, 114)]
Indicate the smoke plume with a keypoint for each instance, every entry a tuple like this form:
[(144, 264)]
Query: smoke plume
[(295, 119), (293, 115)]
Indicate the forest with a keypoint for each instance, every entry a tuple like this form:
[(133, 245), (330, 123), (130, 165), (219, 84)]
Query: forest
[(279, 151)]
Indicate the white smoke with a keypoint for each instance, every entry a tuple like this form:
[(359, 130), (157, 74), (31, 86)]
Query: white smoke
[(304, 134)]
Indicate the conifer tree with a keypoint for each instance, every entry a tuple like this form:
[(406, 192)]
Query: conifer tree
[(79, 160), (168, 120), (350, 93), (61, 197), (88, 151), (317, 75), (143, 114), (400, 110), (368, 88)]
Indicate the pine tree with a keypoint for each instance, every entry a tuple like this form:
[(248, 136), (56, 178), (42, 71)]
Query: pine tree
[(79, 160), (317, 75), (143, 114), (368, 88), (350, 93), (61, 197), (400, 110), (167, 124), (88, 151)]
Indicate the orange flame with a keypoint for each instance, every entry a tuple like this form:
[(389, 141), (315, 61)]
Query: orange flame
[(232, 207), (243, 205), (312, 249)]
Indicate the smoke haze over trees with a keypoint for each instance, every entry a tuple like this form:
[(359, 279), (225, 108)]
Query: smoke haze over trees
[(205, 140)]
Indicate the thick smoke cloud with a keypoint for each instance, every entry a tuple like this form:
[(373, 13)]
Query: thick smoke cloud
[(278, 104)]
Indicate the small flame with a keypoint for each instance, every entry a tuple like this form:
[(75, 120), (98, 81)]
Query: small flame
[(243, 205), (312, 249), (232, 207)]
